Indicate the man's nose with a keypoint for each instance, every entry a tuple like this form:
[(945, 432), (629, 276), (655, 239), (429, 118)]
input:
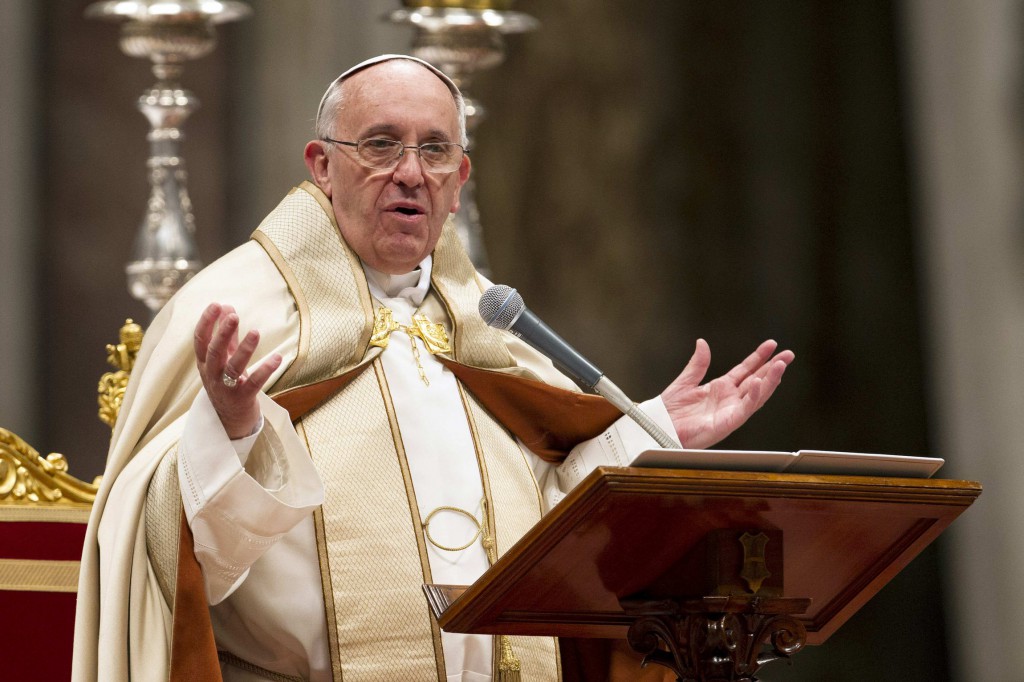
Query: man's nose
[(409, 170)]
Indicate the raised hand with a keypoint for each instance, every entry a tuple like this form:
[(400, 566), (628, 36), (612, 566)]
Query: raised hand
[(705, 414), (222, 363)]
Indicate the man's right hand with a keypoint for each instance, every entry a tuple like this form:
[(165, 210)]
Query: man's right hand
[(221, 358)]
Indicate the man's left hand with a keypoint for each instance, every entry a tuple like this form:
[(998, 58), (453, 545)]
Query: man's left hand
[(704, 415)]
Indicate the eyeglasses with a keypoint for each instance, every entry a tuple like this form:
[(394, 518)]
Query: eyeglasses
[(380, 153)]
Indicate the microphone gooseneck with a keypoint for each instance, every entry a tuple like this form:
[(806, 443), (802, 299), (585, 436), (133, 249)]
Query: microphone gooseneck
[(503, 307)]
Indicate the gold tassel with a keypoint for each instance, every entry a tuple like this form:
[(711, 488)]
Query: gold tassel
[(509, 667)]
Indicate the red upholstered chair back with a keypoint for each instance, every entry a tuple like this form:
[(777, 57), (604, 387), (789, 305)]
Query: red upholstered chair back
[(43, 516)]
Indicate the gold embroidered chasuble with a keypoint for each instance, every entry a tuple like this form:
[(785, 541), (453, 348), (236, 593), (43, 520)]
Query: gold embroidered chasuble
[(370, 540)]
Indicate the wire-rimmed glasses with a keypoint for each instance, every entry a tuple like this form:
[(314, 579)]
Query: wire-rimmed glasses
[(381, 153)]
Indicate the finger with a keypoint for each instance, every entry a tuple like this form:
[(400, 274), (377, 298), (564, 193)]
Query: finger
[(217, 351), (696, 368), (233, 340), (259, 376), (752, 399), (786, 356), (752, 363), (760, 373), (204, 331), (777, 369), (766, 386), (240, 357)]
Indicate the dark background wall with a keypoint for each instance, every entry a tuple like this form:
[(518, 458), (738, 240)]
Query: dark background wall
[(649, 173)]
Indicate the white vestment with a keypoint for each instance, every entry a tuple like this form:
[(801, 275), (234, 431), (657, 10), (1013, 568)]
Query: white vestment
[(445, 474)]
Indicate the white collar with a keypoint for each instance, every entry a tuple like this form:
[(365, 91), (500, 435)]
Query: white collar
[(412, 286)]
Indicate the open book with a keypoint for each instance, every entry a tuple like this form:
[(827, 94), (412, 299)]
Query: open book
[(802, 462)]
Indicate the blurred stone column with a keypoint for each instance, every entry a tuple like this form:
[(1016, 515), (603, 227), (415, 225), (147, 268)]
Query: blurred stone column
[(966, 78), (18, 217)]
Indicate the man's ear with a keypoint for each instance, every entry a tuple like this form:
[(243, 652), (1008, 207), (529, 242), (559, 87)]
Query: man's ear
[(463, 172), (315, 156)]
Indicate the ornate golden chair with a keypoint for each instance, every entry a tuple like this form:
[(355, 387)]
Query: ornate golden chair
[(43, 515), (44, 512)]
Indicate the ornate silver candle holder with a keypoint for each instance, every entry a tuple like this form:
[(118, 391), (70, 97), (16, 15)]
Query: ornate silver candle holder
[(462, 37), (168, 33)]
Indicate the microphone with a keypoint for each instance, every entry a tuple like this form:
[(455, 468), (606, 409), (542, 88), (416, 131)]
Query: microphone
[(502, 307)]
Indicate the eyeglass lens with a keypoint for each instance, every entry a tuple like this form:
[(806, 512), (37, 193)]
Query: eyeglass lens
[(384, 153)]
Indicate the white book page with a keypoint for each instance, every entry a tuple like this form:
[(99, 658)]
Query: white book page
[(863, 464), (718, 460)]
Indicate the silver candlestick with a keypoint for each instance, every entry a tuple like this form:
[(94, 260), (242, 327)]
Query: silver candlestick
[(462, 37), (168, 33)]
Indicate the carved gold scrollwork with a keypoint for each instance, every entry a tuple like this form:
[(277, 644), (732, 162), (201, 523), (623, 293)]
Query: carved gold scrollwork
[(121, 357), (111, 394), (26, 477)]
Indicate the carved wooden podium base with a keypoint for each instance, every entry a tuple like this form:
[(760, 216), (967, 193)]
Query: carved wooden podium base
[(716, 639)]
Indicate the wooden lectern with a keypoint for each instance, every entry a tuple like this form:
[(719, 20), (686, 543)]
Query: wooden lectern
[(711, 574)]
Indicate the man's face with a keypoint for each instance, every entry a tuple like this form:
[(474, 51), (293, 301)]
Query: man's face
[(392, 218)]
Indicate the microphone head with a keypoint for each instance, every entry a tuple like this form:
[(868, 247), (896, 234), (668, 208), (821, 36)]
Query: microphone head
[(500, 306)]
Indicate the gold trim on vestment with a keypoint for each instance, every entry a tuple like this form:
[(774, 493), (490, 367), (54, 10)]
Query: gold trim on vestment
[(325, 586), (325, 575), (489, 524), (414, 507), (488, 521), (300, 303), (35, 575)]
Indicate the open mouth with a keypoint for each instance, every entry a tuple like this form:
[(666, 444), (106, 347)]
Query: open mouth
[(407, 211)]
